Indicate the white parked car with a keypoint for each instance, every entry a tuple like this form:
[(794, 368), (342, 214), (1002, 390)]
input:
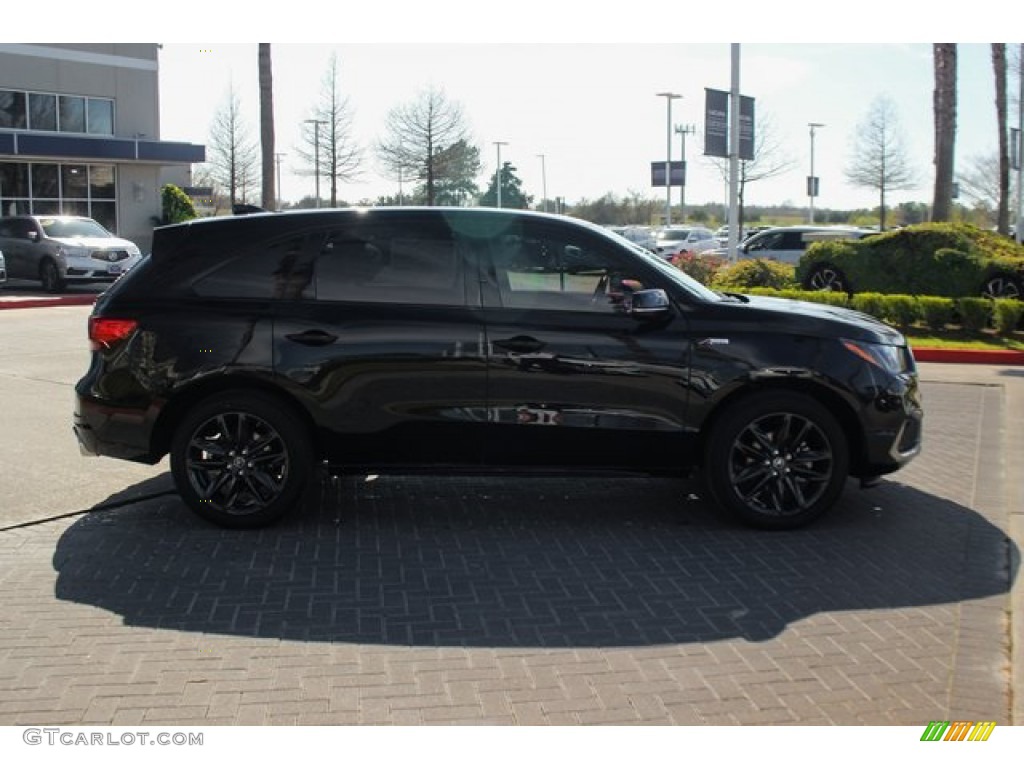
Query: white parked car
[(57, 250), (672, 241), (787, 244)]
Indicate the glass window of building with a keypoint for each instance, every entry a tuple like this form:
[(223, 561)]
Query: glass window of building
[(101, 116), (45, 181), (72, 114), (12, 109), (42, 112)]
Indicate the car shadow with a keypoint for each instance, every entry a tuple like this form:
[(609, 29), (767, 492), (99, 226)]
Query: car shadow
[(514, 562)]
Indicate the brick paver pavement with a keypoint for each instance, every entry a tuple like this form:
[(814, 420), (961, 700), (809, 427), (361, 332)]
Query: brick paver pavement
[(589, 601)]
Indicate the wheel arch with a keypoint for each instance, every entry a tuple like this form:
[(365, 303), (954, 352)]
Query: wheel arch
[(842, 410), (174, 410)]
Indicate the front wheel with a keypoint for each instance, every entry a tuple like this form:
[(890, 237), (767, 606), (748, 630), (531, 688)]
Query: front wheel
[(776, 460), (241, 459), (49, 275)]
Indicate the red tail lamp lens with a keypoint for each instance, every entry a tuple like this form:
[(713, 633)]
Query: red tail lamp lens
[(104, 332)]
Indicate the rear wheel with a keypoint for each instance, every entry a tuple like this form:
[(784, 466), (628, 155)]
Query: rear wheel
[(241, 459), (49, 274), (1002, 287), (776, 460), (825, 277)]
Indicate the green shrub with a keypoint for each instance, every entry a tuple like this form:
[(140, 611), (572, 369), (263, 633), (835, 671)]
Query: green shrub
[(937, 259), (937, 311), (701, 268), (900, 310), (870, 304), (756, 273), (176, 205), (974, 311), (1007, 314)]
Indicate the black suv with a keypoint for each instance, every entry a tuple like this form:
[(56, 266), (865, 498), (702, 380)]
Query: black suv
[(255, 348)]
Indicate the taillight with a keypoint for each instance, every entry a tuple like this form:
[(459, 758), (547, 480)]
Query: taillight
[(104, 332)]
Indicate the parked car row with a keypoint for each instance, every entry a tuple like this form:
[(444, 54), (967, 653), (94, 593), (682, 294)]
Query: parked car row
[(58, 250)]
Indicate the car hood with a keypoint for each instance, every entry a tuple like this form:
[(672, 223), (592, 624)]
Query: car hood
[(825, 319), (95, 242)]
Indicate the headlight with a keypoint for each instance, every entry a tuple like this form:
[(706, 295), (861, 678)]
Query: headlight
[(888, 357)]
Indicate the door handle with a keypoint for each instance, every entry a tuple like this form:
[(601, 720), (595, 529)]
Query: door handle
[(520, 344), (312, 338)]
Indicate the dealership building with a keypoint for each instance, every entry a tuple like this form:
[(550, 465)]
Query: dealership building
[(80, 134)]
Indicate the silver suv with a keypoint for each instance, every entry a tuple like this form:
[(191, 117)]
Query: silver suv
[(57, 250)]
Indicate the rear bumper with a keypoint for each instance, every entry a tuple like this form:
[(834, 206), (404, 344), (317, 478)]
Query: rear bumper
[(118, 432)]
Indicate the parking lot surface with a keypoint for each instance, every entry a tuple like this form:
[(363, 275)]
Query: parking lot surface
[(502, 600)]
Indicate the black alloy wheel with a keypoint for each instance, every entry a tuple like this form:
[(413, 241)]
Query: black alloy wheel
[(241, 460), (776, 460)]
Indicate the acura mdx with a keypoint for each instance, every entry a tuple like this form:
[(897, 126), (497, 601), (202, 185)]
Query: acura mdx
[(253, 349)]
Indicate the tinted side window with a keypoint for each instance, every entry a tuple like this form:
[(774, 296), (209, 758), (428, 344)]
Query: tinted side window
[(390, 264), (277, 271), (561, 269)]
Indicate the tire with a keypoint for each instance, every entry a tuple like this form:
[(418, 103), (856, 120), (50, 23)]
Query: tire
[(776, 460), (825, 277), (49, 275), (1002, 287), (241, 459)]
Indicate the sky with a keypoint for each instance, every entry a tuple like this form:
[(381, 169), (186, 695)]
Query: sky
[(576, 83)]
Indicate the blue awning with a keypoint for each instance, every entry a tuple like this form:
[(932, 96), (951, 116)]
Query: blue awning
[(21, 144)]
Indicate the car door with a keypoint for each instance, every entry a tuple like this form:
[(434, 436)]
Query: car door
[(389, 355), (574, 379)]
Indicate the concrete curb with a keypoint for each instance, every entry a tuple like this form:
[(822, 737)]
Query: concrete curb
[(982, 356), (43, 301)]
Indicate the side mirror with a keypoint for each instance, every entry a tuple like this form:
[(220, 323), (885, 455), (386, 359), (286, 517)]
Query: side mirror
[(649, 304), (33, 235)]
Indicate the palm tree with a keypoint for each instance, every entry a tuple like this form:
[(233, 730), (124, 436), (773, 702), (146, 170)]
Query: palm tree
[(999, 69), (267, 127), (944, 107)]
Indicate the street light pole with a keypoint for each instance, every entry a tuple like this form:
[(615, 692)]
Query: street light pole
[(683, 130), (544, 182), (497, 172), (812, 181), (277, 160), (316, 150), (668, 156)]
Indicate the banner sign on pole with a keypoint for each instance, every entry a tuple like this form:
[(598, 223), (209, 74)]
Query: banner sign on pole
[(716, 124)]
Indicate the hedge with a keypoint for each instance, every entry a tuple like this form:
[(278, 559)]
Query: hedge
[(935, 312)]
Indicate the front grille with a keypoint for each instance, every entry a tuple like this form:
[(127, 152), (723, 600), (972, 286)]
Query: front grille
[(110, 256)]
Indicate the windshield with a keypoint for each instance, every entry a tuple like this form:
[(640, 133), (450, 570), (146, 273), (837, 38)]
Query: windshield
[(673, 273), (73, 228), (673, 234)]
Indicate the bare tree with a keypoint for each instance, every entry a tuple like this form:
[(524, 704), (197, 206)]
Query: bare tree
[(979, 182), (422, 140), (233, 159), (944, 107), (1003, 206), (879, 159), (267, 126), (770, 159), (329, 133)]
